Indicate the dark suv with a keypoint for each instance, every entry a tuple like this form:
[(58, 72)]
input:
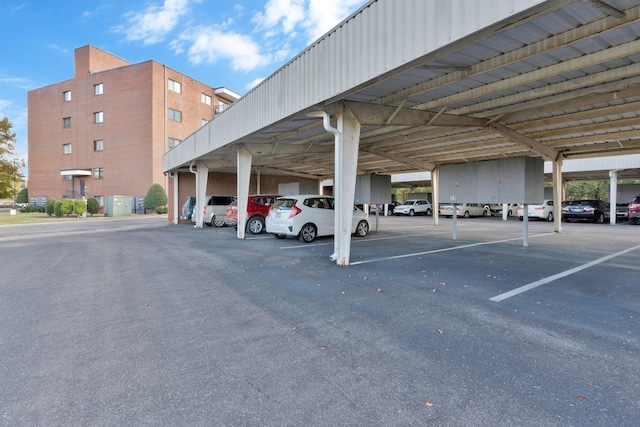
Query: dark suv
[(634, 210), (590, 210)]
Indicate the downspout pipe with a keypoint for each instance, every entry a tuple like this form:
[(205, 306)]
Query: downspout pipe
[(337, 179), (195, 211)]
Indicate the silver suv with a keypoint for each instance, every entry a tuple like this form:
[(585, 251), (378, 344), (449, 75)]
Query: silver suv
[(215, 209)]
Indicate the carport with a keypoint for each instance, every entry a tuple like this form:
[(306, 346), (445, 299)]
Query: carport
[(410, 86)]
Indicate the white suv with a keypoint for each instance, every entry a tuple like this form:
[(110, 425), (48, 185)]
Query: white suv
[(308, 216), (413, 207), (215, 209)]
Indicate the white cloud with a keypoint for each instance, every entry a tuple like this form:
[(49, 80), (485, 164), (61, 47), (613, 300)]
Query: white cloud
[(286, 14), (209, 45), (323, 15), (155, 22)]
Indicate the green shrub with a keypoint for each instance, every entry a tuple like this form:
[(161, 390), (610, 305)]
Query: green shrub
[(49, 207), (162, 210), (67, 207), (93, 207), (156, 196), (80, 207), (23, 196), (57, 210)]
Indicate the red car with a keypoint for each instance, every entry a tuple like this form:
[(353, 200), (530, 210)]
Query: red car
[(634, 210), (257, 209)]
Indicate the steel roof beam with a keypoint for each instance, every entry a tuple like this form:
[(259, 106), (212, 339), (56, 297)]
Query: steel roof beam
[(378, 115), (545, 151), (419, 164)]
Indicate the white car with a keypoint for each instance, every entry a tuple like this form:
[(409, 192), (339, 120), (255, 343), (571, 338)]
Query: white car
[(308, 216), (543, 211), (413, 207), (465, 210), (496, 210), (215, 210)]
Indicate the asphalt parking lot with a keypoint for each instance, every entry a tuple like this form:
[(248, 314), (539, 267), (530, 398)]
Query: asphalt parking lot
[(136, 322)]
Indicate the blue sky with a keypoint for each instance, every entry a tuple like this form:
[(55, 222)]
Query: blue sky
[(220, 43)]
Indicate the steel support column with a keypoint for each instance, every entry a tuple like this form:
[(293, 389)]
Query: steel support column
[(557, 194), (346, 158), (613, 196), (435, 195), (202, 176), (244, 178)]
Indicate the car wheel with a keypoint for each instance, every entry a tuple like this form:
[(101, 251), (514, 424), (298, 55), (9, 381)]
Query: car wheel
[(550, 217), (411, 212), (217, 222), (308, 233), (255, 225), (634, 221), (428, 212), (279, 236), (485, 213), (466, 214), (362, 229), (599, 219), (521, 218)]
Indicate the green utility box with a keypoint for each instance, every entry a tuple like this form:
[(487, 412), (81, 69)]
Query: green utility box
[(118, 206)]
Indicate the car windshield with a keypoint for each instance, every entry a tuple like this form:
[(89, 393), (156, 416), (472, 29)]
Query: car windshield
[(409, 202)]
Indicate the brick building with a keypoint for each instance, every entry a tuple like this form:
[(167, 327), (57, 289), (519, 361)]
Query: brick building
[(104, 131)]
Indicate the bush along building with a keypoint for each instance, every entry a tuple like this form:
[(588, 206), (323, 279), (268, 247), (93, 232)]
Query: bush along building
[(103, 132)]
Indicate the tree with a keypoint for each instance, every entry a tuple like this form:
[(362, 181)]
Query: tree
[(10, 166), (23, 196), (156, 197), (93, 207)]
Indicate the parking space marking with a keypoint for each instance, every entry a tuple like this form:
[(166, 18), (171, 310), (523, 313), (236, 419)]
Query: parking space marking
[(569, 272), (359, 240), (453, 248)]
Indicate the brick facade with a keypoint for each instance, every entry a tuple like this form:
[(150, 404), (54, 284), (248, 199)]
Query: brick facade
[(135, 131)]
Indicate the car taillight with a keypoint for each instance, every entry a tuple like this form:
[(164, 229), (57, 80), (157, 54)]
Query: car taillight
[(294, 211), (589, 209), (539, 208)]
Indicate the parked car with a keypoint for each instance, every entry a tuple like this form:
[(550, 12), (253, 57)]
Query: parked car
[(413, 207), (465, 210), (187, 207), (258, 206), (633, 210), (542, 211), (215, 210), (591, 210), (308, 216), (380, 208), (622, 210), (496, 210)]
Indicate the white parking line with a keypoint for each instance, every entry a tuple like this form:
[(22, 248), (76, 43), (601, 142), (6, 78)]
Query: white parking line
[(454, 248), (549, 279), (363, 240)]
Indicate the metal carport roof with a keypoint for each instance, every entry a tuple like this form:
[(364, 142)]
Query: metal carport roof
[(431, 82), (558, 79)]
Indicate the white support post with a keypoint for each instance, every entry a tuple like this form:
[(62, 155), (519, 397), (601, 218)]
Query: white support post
[(557, 195), (176, 206), (435, 195), (525, 225), (244, 178), (345, 181), (613, 196), (202, 176)]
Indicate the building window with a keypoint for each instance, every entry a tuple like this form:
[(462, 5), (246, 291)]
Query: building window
[(67, 95), (221, 107), (98, 173), (206, 99), (175, 115), (98, 145), (97, 89), (100, 200), (175, 86), (66, 148), (203, 122), (98, 117), (66, 122), (173, 142)]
